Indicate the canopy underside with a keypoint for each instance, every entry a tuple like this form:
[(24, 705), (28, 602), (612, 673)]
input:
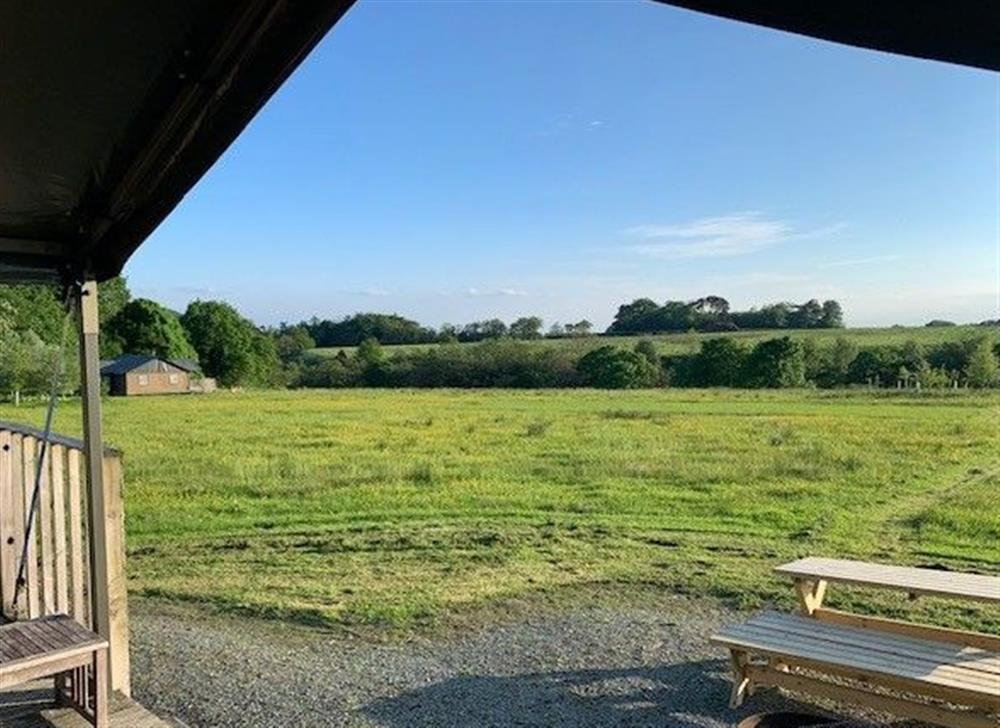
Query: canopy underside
[(113, 110)]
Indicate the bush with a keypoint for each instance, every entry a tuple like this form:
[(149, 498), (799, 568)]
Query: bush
[(609, 367), (775, 363), (981, 369), (720, 363)]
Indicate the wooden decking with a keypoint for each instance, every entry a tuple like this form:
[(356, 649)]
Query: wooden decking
[(31, 706)]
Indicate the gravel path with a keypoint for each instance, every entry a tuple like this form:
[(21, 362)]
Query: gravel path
[(590, 667)]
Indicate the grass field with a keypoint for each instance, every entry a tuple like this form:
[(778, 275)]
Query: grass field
[(690, 342), (402, 507)]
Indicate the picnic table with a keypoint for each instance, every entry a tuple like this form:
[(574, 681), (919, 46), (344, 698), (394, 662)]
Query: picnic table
[(931, 673)]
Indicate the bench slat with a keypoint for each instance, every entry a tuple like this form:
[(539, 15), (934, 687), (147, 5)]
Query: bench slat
[(905, 578), (49, 638), (770, 640), (971, 658)]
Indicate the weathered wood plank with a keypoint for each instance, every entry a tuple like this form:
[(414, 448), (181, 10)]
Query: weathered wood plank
[(45, 517), (31, 589), (76, 550), (791, 643), (8, 526), (915, 581), (910, 629), (897, 706), (59, 550)]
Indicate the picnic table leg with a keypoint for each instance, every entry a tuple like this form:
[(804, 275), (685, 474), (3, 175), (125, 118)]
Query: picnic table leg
[(741, 678), (810, 593), (101, 688)]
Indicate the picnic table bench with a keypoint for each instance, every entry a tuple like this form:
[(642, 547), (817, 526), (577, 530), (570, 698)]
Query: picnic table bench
[(57, 646), (944, 676)]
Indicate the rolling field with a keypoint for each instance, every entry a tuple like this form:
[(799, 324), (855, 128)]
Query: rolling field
[(401, 507), (685, 343)]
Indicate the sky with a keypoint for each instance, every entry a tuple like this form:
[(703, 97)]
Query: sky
[(457, 161)]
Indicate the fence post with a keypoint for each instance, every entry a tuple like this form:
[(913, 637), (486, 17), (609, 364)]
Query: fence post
[(8, 526), (114, 513)]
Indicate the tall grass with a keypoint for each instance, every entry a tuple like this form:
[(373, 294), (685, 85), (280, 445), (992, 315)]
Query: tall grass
[(400, 506)]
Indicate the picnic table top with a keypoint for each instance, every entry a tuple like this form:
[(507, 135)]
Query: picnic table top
[(905, 578)]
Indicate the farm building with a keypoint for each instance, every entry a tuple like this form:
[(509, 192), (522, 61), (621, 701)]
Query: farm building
[(137, 374)]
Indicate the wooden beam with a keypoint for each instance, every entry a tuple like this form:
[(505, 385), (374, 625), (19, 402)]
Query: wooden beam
[(910, 629), (118, 654), (93, 441), (926, 712), (35, 248), (810, 593)]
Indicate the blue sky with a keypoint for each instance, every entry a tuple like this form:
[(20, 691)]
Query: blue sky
[(456, 161)]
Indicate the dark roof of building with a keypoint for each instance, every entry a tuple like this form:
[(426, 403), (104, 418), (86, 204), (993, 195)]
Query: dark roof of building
[(114, 110), (144, 363)]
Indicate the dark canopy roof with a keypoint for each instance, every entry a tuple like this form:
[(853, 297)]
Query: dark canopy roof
[(113, 109)]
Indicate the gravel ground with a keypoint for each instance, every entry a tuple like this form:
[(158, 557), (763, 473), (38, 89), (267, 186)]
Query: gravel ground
[(589, 667)]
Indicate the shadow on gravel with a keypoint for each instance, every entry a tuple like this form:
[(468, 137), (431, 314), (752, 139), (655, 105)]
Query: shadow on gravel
[(688, 695)]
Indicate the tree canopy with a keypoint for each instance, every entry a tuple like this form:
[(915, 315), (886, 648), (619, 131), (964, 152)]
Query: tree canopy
[(145, 327)]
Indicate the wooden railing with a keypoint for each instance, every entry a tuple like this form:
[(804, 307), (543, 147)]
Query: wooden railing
[(64, 541)]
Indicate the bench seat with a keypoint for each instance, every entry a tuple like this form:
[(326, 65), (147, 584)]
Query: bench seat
[(57, 646), (958, 674)]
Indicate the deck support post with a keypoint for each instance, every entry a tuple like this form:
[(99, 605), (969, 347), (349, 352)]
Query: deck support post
[(93, 447)]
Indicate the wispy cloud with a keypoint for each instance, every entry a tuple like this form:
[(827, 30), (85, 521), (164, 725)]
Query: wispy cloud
[(860, 261), (760, 278), (374, 291), (718, 237), (472, 291), (569, 123)]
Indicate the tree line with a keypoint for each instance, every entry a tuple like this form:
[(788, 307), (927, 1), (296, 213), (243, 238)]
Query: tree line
[(712, 313), (393, 329), (228, 346), (779, 362), (641, 316), (213, 334)]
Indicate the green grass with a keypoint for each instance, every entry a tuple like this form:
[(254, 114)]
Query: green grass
[(689, 342), (403, 507)]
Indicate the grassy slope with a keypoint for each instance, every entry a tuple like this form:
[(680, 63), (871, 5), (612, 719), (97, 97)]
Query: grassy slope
[(685, 343), (398, 506)]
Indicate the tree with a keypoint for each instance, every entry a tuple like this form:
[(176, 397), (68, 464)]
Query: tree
[(833, 315), (711, 306), (720, 362), (836, 363), (807, 316), (633, 317), (982, 368), (646, 348), (580, 328), (494, 328), (25, 363), (293, 342), (229, 346), (526, 327), (112, 296), (609, 367), (351, 331), (776, 363), (145, 327)]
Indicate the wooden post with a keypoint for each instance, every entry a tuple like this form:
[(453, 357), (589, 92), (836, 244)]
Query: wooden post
[(93, 446), (118, 654), (810, 593), (8, 526)]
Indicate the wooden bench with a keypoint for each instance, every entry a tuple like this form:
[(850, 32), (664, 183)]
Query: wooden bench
[(58, 647), (942, 676)]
